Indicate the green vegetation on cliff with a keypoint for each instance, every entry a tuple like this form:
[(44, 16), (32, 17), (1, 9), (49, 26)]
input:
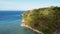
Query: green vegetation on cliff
[(46, 19)]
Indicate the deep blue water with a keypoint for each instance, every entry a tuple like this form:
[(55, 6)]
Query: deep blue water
[(10, 22)]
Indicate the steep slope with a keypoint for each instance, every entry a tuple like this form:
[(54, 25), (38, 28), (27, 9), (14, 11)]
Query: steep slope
[(46, 20)]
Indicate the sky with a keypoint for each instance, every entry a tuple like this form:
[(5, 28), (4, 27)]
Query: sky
[(27, 4)]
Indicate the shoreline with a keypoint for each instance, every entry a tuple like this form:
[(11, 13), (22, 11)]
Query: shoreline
[(23, 25)]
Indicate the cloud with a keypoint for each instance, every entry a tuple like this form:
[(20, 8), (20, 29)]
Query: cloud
[(25, 4)]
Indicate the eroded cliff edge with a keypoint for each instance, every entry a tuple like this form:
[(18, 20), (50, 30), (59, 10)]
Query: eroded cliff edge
[(43, 20)]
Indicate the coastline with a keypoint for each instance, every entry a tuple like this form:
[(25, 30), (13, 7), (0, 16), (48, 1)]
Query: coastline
[(23, 25)]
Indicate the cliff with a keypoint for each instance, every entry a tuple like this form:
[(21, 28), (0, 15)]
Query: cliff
[(43, 20)]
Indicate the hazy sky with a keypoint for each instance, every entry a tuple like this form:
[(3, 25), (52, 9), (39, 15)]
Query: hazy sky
[(26, 4)]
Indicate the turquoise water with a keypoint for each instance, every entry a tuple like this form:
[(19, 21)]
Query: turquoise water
[(10, 22)]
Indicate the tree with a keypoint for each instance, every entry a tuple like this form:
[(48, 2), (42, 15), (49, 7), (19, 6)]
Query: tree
[(46, 20)]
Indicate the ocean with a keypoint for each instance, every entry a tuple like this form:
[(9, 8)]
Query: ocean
[(10, 22)]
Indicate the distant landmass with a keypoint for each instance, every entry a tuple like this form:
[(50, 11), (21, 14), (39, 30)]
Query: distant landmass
[(43, 20)]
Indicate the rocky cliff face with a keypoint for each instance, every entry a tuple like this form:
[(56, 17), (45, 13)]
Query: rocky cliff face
[(46, 19)]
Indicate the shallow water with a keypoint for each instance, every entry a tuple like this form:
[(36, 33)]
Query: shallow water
[(10, 22)]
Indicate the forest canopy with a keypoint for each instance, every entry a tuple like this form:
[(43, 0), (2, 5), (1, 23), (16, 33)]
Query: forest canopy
[(46, 19)]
